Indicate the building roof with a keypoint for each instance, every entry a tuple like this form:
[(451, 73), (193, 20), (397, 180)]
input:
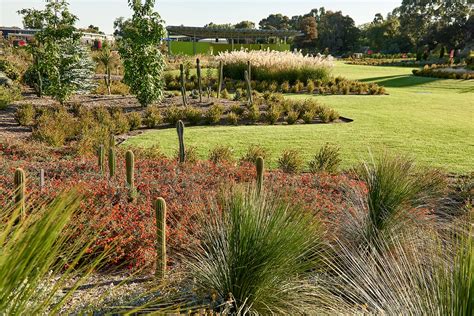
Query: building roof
[(207, 32)]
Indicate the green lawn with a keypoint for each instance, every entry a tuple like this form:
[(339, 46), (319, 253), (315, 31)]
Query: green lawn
[(431, 120)]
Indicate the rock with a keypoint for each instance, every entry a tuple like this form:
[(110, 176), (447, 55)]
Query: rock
[(5, 81)]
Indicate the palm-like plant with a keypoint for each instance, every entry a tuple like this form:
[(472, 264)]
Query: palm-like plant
[(107, 58)]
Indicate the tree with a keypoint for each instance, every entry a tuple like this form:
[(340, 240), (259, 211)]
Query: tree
[(433, 22), (245, 25), (60, 66), (275, 22), (139, 48), (308, 27), (219, 26), (337, 32)]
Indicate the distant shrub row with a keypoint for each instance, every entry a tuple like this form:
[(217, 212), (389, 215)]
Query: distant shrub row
[(435, 72)]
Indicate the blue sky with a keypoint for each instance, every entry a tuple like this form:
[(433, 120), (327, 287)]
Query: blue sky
[(102, 13)]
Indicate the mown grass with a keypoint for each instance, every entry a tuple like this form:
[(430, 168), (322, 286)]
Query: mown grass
[(431, 120)]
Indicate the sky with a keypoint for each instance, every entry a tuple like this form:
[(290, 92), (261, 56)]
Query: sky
[(102, 13)]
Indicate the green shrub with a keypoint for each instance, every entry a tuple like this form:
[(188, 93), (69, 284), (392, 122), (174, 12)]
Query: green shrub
[(191, 154), (233, 118), (221, 154), (273, 87), (327, 159), (328, 115), (255, 151), (308, 116), (237, 109), (120, 122), (193, 115), (285, 87), (54, 127), (25, 115), (173, 114), (225, 94), (273, 113), (292, 117), (290, 161), (214, 113), (253, 113), (152, 117), (9, 69), (134, 120), (310, 86), (8, 95)]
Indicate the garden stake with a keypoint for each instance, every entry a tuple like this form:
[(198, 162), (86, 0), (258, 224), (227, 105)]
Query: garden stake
[(160, 212), (259, 165), (41, 179), (180, 130), (249, 88), (19, 182)]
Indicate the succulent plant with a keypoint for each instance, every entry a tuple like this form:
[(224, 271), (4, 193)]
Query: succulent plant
[(221, 78), (19, 182), (112, 162), (183, 84), (130, 166), (160, 212), (101, 158), (180, 130), (198, 71), (259, 166), (249, 88)]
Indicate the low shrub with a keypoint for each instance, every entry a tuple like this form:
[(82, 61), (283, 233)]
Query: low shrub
[(233, 118), (25, 115), (285, 87), (54, 127), (253, 152), (225, 94), (327, 159), (253, 113), (292, 117), (310, 86), (134, 120), (120, 122), (173, 114), (8, 95), (273, 113), (193, 115), (213, 114), (221, 154), (328, 115), (290, 161), (237, 109), (308, 116), (152, 117)]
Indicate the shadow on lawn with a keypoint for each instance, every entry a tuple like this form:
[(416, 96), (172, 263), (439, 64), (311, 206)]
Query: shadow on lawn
[(398, 81)]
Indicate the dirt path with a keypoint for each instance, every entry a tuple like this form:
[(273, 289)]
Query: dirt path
[(9, 128)]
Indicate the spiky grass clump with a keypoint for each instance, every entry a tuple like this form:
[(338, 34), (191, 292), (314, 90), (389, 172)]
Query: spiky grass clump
[(420, 273), (399, 195), (39, 255), (257, 255)]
